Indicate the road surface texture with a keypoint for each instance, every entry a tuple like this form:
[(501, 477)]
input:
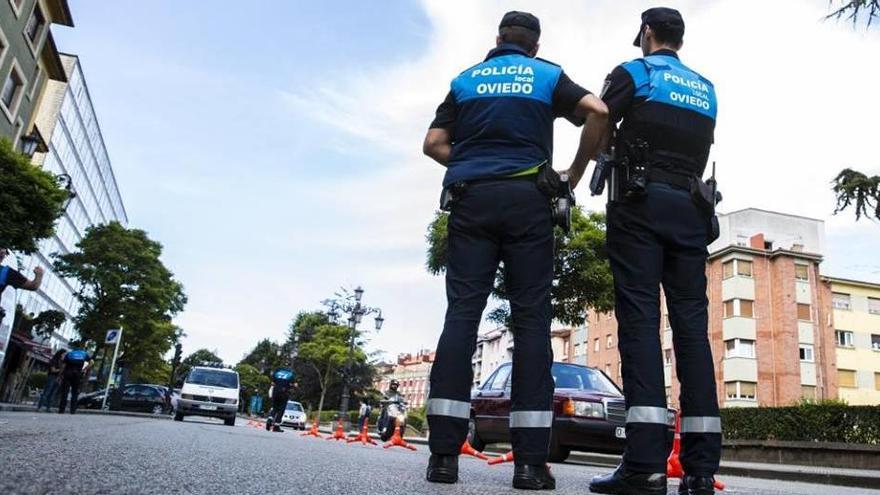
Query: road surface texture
[(49, 453)]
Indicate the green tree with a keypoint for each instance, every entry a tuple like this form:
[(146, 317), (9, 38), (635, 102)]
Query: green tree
[(267, 356), (327, 353), (41, 325), (251, 383), (197, 358), (123, 283), (855, 189), (30, 201), (582, 276)]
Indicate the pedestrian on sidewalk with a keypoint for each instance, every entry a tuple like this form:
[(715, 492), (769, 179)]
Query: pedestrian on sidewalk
[(52, 381), (77, 363)]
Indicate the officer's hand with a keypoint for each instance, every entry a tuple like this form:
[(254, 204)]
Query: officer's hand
[(38, 270)]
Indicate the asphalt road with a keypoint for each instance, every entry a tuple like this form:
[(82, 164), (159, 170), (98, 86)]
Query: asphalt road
[(85, 454)]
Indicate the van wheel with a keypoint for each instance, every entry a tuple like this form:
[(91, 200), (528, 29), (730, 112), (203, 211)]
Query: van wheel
[(229, 421), (178, 417)]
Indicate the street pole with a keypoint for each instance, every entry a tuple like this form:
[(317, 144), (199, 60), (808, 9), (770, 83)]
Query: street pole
[(112, 369), (343, 407)]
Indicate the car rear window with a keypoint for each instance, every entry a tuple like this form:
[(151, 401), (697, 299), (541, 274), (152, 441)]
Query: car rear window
[(212, 378), (293, 406), (579, 378)]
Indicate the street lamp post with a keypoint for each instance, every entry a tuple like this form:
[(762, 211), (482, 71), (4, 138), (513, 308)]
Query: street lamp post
[(351, 305)]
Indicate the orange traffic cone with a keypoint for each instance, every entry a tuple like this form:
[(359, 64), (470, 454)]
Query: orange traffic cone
[(339, 434), (466, 449), (363, 437), (508, 457), (313, 431), (673, 464), (397, 440)]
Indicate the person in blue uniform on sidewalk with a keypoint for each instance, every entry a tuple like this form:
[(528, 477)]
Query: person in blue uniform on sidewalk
[(279, 392), (77, 364), (660, 220), (494, 135)]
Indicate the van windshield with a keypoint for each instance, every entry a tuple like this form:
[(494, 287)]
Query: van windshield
[(212, 378)]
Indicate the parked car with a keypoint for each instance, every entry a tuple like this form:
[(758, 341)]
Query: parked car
[(589, 412), (294, 416), (211, 392), (132, 397)]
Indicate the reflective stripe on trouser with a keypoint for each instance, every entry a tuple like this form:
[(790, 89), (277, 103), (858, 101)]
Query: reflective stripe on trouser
[(494, 221), (661, 239)]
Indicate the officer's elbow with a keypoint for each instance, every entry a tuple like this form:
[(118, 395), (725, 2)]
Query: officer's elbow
[(591, 106)]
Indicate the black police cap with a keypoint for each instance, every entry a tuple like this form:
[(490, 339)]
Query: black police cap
[(661, 19), (521, 19)]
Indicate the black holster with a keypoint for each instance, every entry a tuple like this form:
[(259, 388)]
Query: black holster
[(558, 189), (451, 194), (705, 196)]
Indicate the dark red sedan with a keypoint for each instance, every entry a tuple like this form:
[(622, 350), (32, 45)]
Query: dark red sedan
[(589, 412)]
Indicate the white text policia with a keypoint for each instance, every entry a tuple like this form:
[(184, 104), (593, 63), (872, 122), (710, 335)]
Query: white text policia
[(507, 87)]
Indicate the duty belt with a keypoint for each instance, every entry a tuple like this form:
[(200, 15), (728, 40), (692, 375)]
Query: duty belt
[(682, 180)]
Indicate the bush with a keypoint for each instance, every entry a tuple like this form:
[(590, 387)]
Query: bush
[(807, 422), (38, 379)]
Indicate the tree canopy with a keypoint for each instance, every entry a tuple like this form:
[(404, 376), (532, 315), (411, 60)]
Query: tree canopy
[(196, 359), (124, 284), (582, 276), (30, 201)]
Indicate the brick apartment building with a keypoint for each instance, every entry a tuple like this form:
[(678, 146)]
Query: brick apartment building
[(771, 320), (413, 373)]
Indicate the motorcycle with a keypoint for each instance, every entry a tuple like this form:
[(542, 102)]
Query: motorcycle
[(393, 413)]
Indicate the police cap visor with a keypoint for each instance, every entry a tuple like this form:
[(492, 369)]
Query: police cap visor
[(660, 19), (521, 19)]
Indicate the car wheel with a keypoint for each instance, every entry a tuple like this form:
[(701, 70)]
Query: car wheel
[(158, 409), (178, 417), (558, 453), (229, 421), (474, 439)]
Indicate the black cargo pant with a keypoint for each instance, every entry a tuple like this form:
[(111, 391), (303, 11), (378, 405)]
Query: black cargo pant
[(279, 405), (70, 380), (509, 221), (661, 239)]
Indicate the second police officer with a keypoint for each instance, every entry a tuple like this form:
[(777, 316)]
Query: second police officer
[(282, 381), (494, 134), (660, 221), (76, 364)]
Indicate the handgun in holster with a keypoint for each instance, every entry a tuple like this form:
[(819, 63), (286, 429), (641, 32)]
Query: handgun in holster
[(451, 194), (557, 187)]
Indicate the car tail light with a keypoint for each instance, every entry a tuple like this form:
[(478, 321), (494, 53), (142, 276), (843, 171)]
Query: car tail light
[(568, 407)]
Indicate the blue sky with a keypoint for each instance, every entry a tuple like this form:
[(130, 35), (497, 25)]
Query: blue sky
[(273, 147)]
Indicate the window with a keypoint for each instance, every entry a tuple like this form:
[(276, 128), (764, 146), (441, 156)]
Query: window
[(876, 381), (12, 90), (35, 24), (846, 378), (874, 306), (804, 313), (742, 268), (801, 273), (844, 338), (667, 357), (768, 245), (739, 307), (608, 369), (840, 301), (498, 381), (727, 269), (609, 341), (595, 345), (741, 390), (743, 348), (619, 370), (808, 392), (806, 353), (875, 342)]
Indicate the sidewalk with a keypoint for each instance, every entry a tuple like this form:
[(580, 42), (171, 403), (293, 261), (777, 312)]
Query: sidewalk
[(5, 407)]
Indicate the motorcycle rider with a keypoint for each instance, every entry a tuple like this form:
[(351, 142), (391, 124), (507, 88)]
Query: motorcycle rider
[(279, 392), (392, 395)]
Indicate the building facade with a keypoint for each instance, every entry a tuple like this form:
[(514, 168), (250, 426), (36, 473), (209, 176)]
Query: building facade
[(495, 348), (857, 339), (76, 147), (413, 372), (771, 326), (28, 59)]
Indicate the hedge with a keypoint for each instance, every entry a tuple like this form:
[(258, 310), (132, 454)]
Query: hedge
[(413, 418), (804, 423)]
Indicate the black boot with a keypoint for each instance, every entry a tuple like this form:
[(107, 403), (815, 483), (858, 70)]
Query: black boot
[(625, 482), (533, 477), (696, 485), (269, 422), (276, 428), (442, 469)]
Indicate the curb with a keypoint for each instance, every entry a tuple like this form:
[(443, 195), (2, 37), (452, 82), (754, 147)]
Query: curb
[(32, 409)]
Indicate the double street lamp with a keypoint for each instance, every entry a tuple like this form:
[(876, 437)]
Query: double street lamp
[(347, 304), (29, 145)]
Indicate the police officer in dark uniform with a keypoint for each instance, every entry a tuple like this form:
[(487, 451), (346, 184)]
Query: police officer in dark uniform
[(77, 363), (282, 381), (660, 220), (494, 134)]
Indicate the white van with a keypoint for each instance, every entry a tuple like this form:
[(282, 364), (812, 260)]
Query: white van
[(211, 392)]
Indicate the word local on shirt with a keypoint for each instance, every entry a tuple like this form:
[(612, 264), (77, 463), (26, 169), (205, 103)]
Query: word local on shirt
[(700, 92), (523, 78)]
